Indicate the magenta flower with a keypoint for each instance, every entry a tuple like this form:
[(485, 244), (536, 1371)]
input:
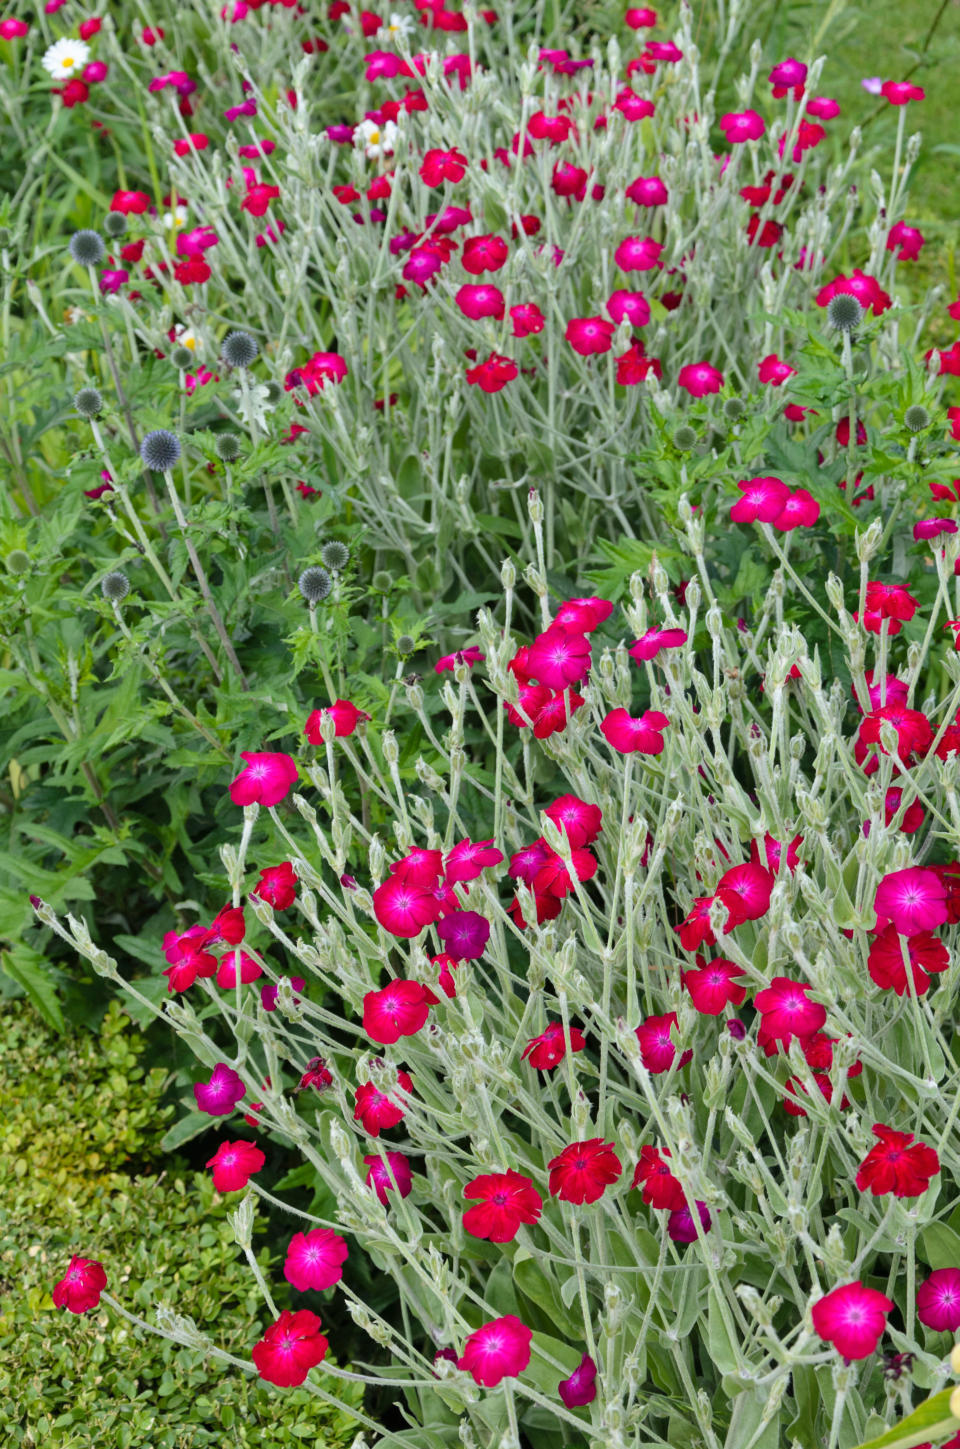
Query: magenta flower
[(801, 510), (269, 993), (221, 1094), (403, 908), (234, 1163), (938, 1300), (630, 305), (481, 299), (650, 645), (763, 501), (391, 1176), (647, 191), (786, 1012), (657, 1050), (400, 1009), (468, 858), (853, 1319), (464, 935), (681, 1227), (638, 254), (581, 1387), (933, 527), (773, 370), (266, 779), (315, 1259), (740, 126), (497, 1351), (559, 657), (79, 1289), (699, 379), (914, 899), (237, 966), (589, 335), (628, 735)]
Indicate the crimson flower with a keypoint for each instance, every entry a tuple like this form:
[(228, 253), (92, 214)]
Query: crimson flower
[(468, 858), (927, 954), (773, 370), (483, 254), (234, 1163), (893, 1165), (237, 966), (938, 1300), (589, 335), (899, 93), (580, 1388), (378, 1110), (579, 821), (582, 1172), (763, 501), (630, 305), (853, 1319), (638, 254), (547, 1051), (654, 640), (464, 935), (315, 1259), (277, 886), (741, 126), (497, 1351), (400, 1009), (266, 779), (506, 1199), (582, 616), (914, 734), (527, 319), (494, 374), (403, 908), (752, 885), (657, 1050), (290, 1348), (479, 300), (345, 718), (439, 166), (712, 986), (786, 1012), (661, 1189), (628, 735), (80, 1287), (392, 1175), (700, 378), (558, 657)]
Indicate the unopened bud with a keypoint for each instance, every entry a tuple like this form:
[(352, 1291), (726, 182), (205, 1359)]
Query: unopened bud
[(241, 1221)]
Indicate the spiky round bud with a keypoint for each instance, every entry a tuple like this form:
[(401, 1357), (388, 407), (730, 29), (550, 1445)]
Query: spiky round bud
[(733, 410), (115, 223), (406, 644), (916, 418), (227, 447), (182, 358), (844, 312), (87, 248), (17, 561), (335, 554), (239, 349), (88, 402), (314, 584), (274, 393), (115, 586), (382, 581), (684, 438), (160, 450)]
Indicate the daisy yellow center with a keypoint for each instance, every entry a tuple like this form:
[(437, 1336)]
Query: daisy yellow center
[(374, 137), (67, 62)]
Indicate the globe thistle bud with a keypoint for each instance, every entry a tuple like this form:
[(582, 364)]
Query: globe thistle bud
[(844, 312), (115, 586), (239, 349), (88, 402), (181, 357), (87, 248), (733, 410), (17, 561), (406, 644), (227, 447), (115, 223), (684, 438), (160, 450), (916, 418), (382, 581), (335, 554), (314, 584), (274, 393)]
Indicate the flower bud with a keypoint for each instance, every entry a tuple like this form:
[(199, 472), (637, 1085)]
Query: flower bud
[(241, 1221)]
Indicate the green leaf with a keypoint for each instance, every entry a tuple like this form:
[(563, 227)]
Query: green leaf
[(27, 968), (932, 1420), (185, 1130), (722, 1349), (941, 1246)]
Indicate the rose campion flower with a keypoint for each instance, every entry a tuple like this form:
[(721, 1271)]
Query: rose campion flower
[(657, 1050), (527, 319), (582, 616), (853, 1319), (638, 254), (558, 657), (908, 238), (589, 335), (315, 1260), (894, 1165), (630, 305), (497, 1351), (579, 821), (392, 1175), (629, 736), (928, 956), (404, 908), (483, 254), (713, 986), (786, 1012), (580, 1388), (546, 1051), (506, 1200), (647, 191), (913, 900), (378, 1110), (237, 966), (468, 859), (938, 1300), (741, 126), (290, 1348), (655, 640), (661, 1190), (582, 1172), (234, 1163), (469, 656), (277, 885), (494, 374), (891, 602), (752, 885), (801, 510), (682, 1227), (80, 1287), (700, 379), (774, 371), (899, 93), (221, 1094), (266, 779), (400, 1009), (763, 500), (345, 718), (464, 935)]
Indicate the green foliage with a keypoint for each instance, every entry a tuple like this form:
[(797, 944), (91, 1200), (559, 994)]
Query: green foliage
[(77, 1113)]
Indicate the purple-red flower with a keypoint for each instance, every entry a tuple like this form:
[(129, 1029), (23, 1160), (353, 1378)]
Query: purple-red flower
[(497, 1351), (315, 1259), (393, 1175), (234, 1163), (582, 1172), (290, 1348), (938, 1300), (628, 735), (853, 1319), (581, 1387), (505, 1201), (80, 1287), (221, 1094), (914, 900), (400, 1009), (266, 779), (897, 1164)]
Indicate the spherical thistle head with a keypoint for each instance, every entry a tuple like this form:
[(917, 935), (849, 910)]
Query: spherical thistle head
[(239, 349), (406, 644), (844, 312), (17, 561), (88, 402), (87, 248), (160, 450), (274, 393), (335, 554), (684, 438), (916, 418), (227, 447), (733, 410), (115, 223), (182, 358), (115, 586), (382, 581), (314, 584)]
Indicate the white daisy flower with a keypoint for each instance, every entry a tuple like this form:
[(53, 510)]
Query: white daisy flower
[(65, 57), (378, 140), (184, 337), (397, 26), (175, 218)]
